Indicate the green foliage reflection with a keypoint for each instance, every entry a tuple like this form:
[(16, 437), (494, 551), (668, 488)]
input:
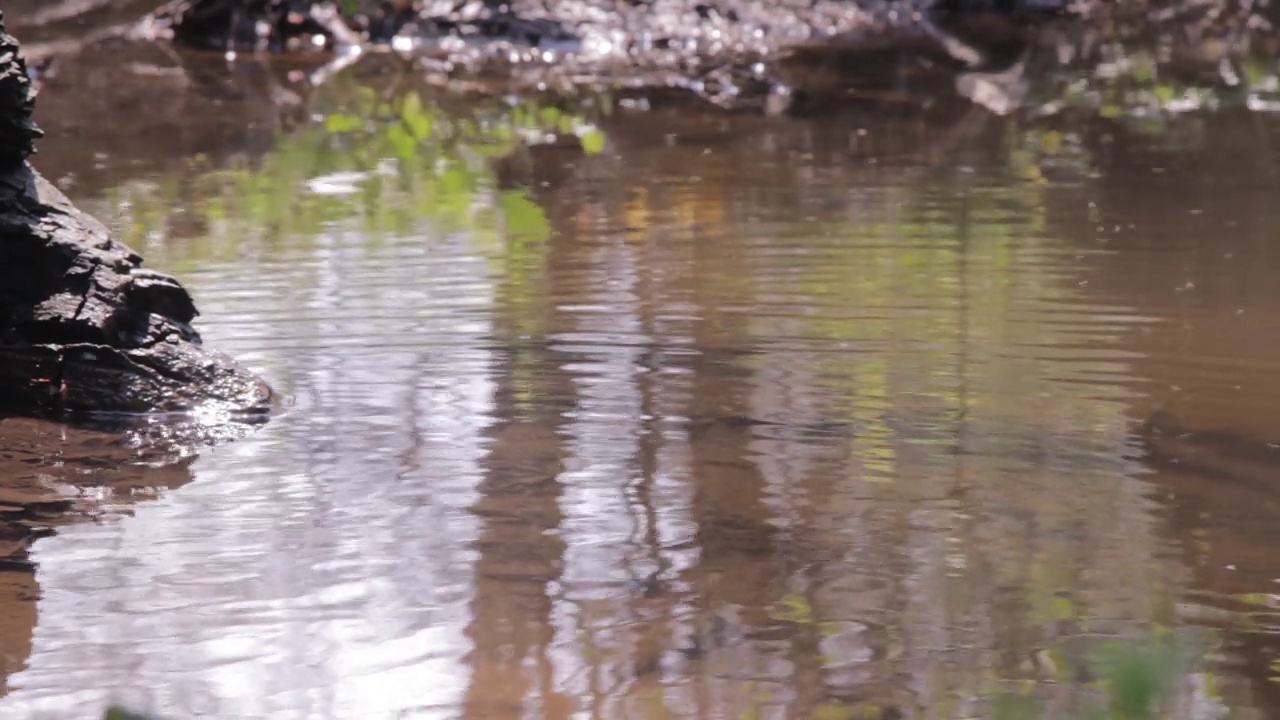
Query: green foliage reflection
[(1134, 681), (383, 166)]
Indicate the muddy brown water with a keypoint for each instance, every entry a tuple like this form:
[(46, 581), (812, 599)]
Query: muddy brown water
[(848, 416)]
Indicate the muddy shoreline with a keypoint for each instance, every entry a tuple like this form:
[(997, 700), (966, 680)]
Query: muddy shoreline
[(777, 58)]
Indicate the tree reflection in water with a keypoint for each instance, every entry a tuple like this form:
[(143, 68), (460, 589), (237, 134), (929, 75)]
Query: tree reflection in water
[(728, 417)]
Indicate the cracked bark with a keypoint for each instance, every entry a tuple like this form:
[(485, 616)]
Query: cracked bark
[(83, 326)]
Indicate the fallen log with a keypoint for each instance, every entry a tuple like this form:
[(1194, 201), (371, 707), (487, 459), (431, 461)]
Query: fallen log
[(83, 326)]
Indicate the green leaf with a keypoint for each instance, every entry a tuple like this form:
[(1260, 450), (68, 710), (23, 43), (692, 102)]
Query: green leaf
[(402, 143), (592, 140), (793, 608), (523, 216), (549, 118), (342, 123), (418, 122)]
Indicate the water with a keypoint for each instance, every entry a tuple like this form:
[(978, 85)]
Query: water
[(855, 416)]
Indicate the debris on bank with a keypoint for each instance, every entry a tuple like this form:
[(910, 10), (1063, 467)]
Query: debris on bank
[(770, 55)]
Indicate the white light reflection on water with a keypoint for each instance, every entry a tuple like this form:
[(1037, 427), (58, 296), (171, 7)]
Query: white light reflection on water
[(311, 593), (822, 438)]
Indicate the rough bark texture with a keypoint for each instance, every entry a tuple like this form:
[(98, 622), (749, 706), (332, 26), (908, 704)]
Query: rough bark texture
[(83, 327), (17, 99)]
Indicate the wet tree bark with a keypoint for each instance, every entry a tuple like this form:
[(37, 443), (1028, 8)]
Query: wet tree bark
[(83, 327)]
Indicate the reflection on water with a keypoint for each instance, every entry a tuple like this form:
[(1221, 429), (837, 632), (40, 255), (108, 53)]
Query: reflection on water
[(52, 475), (726, 417)]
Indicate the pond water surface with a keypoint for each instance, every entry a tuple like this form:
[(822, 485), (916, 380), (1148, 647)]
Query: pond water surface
[(673, 413)]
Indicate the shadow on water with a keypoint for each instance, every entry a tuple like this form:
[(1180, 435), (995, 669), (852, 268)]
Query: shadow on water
[(674, 413)]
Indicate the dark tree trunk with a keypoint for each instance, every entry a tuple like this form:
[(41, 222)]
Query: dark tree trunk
[(83, 327)]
